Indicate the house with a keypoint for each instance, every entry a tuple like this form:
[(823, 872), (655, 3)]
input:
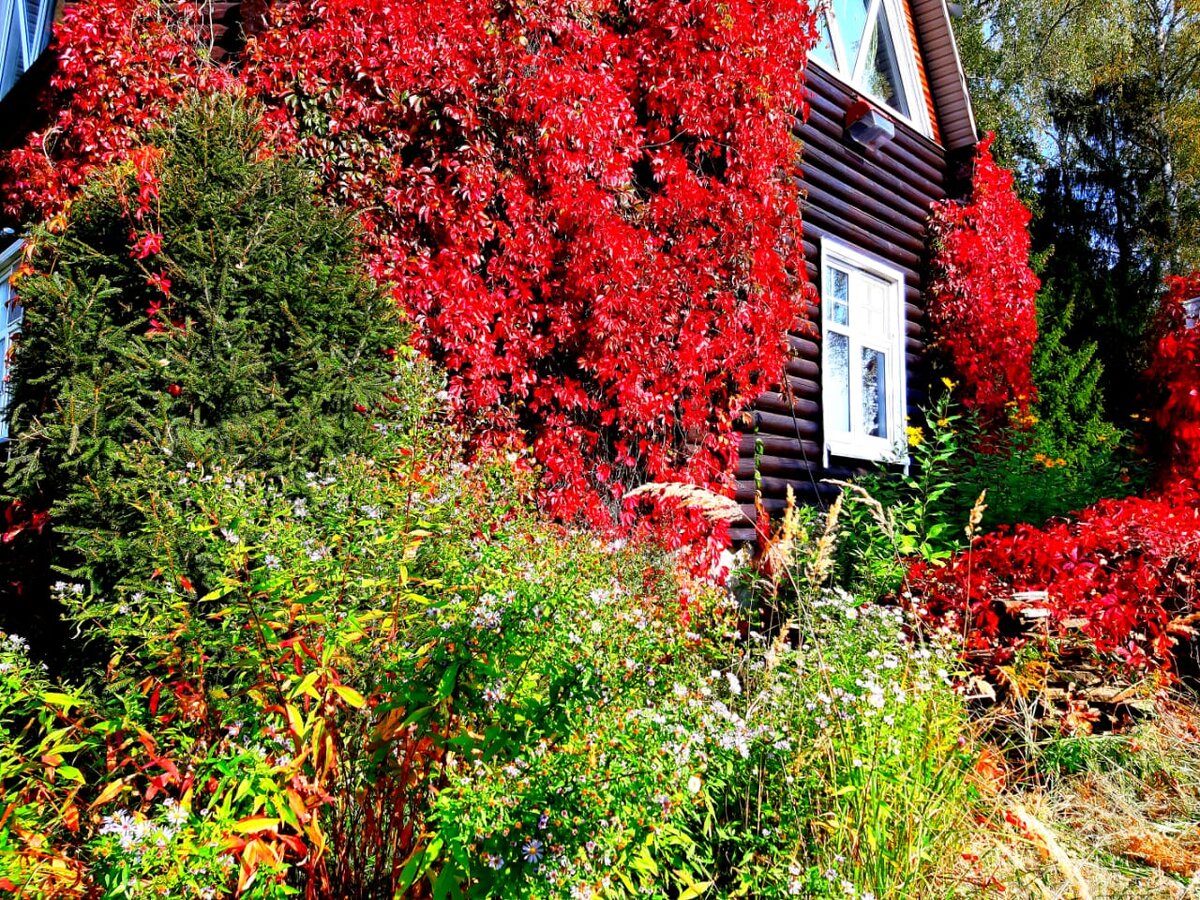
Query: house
[(890, 132)]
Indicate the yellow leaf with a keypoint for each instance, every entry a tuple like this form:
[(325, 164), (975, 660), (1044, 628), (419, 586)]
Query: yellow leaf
[(255, 823), (295, 720), (306, 686), (110, 791), (350, 695)]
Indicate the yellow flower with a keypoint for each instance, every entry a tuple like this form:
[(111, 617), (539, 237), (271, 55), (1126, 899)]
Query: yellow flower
[(950, 385), (943, 423), (915, 435)]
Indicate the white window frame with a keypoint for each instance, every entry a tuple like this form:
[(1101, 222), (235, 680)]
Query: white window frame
[(1191, 312), (857, 444), (906, 62), (11, 317)]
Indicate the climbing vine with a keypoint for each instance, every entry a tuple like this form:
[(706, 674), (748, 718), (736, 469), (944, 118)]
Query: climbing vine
[(981, 295), (589, 212)]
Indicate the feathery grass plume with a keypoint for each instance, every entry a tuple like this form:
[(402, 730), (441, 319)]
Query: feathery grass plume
[(779, 549), (713, 506), (976, 516), (875, 507), (822, 563)]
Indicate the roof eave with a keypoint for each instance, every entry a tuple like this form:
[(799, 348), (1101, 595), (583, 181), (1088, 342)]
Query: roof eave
[(943, 68)]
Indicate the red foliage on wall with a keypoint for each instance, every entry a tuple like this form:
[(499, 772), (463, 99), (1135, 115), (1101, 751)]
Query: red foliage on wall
[(981, 293), (122, 65), (590, 211)]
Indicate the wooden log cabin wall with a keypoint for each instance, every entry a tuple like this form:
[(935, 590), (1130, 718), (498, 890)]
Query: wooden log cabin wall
[(873, 202)]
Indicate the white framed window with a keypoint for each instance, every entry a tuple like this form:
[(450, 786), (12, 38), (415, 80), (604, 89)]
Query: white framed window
[(866, 44), (863, 377), (1191, 312), (11, 315)]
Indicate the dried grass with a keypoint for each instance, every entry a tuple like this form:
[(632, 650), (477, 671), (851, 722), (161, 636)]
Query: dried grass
[(714, 507), (1126, 826)]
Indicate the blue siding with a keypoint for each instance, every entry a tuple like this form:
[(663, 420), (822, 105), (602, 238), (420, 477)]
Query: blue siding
[(24, 34)]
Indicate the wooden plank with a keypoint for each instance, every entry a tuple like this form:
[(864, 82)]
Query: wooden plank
[(797, 448), (774, 401), (804, 348), (890, 180), (832, 103), (787, 466), (786, 426), (831, 94), (817, 162), (868, 215), (858, 236)]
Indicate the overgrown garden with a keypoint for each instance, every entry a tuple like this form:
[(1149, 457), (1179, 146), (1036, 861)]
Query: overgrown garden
[(368, 491)]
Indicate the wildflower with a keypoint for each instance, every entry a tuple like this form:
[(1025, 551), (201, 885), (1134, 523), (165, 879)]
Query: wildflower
[(533, 851), (915, 435), (176, 814), (694, 784)]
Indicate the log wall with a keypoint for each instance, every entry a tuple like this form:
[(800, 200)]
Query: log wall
[(877, 202)]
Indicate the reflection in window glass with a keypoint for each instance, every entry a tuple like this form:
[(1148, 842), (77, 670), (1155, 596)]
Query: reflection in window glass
[(839, 297), (838, 379), (874, 392), (824, 49), (882, 71), (851, 16)]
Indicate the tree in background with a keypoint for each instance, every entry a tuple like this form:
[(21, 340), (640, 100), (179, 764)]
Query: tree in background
[(1096, 105), (198, 303)]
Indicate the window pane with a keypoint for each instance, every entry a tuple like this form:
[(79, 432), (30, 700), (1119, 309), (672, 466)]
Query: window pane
[(837, 307), (1191, 312), (881, 73), (851, 16), (874, 392), (872, 309), (823, 52), (837, 383)]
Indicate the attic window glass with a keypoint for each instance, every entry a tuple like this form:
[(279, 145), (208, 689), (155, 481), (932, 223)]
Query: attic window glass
[(866, 44), (862, 370)]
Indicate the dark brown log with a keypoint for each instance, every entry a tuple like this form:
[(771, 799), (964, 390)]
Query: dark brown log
[(795, 448), (788, 426), (816, 162), (872, 216), (857, 235), (776, 402)]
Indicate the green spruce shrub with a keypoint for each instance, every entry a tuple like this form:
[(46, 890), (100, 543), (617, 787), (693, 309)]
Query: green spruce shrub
[(1068, 455), (201, 304)]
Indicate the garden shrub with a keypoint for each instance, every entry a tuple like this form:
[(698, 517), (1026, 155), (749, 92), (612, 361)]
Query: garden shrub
[(396, 677), (199, 300), (1061, 457), (1121, 572)]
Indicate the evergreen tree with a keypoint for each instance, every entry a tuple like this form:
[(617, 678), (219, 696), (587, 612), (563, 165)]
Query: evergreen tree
[(203, 304)]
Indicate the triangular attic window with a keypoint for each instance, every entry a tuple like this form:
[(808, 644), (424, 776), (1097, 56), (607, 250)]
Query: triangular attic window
[(866, 43)]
